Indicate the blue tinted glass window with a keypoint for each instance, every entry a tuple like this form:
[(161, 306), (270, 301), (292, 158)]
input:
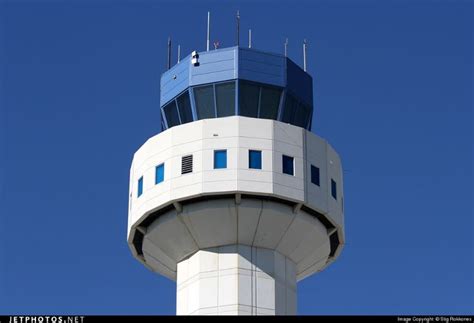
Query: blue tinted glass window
[(249, 94), (171, 114), (302, 114), (290, 109), (204, 97), (159, 173), (184, 108), (162, 125), (255, 159), (225, 99), (220, 159), (288, 165), (333, 189), (269, 102), (140, 187), (314, 175)]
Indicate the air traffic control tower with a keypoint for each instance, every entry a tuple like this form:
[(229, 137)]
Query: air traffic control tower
[(235, 199)]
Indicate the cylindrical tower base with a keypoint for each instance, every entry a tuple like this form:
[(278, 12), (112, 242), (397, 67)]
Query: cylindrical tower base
[(236, 280)]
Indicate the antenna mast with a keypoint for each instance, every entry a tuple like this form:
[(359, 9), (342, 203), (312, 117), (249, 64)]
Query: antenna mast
[(208, 30), (238, 27), (286, 47), (250, 38), (179, 53), (304, 55), (169, 53)]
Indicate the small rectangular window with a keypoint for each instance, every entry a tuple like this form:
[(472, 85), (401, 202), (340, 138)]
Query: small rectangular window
[(255, 159), (140, 187), (288, 165), (187, 164), (220, 159), (333, 189), (314, 175), (159, 173)]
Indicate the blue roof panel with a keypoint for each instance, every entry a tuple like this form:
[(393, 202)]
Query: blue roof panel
[(262, 67), (237, 63), (215, 66)]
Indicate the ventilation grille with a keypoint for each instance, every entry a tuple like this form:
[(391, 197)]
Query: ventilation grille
[(187, 164)]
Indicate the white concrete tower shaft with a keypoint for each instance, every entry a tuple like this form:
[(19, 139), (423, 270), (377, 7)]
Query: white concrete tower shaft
[(236, 280)]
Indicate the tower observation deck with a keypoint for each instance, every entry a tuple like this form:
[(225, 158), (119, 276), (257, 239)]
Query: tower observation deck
[(235, 199)]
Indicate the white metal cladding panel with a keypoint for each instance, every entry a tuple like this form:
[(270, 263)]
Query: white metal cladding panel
[(220, 128), (237, 135), (214, 66), (255, 128), (147, 167), (191, 134), (154, 145), (150, 155), (316, 196), (219, 144), (255, 144), (335, 172), (187, 149), (262, 67), (131, 190), (288, 140), (174, 81), (286, 133), (224, 280), (180, 180), (266, 153)]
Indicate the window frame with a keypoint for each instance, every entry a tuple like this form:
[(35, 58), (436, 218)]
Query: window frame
[(259, 152), (215, 86), (292, 165), (265, 87), (290, 113), (316, 168), (216, 161), (175, 102), (196, 105), (260, 87), (248, 85), (334, 189), (140, 187), (162, 165), (180, 96)]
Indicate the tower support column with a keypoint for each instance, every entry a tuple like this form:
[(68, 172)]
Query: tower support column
[(236, 280)]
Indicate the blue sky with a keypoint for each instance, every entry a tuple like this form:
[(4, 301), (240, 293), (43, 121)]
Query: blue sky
[(79, 93)]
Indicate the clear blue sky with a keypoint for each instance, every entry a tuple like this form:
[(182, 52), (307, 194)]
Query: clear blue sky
[(79, 93)]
